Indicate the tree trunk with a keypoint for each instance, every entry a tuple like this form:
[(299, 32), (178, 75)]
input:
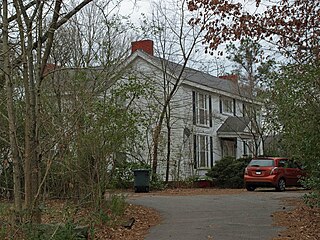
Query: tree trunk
[(34, 58), (11, 115), (168, 145)]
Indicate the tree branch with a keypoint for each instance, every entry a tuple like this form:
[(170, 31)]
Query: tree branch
[(63, 21)]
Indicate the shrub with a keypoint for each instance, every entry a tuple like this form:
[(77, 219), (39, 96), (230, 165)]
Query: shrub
[(68, 231), (117, 204), (111, 209), (313, 183), (122, 175), (228, 172), (157, 183)]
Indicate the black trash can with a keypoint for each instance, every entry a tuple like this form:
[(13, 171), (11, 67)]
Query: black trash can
[(141, 180)]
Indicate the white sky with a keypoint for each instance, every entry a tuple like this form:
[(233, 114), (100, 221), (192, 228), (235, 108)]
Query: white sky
[(135, 8)]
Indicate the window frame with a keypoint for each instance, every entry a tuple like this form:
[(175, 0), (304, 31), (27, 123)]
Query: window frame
[(202, 109), (225, 109), (203, 151), (248, 147)]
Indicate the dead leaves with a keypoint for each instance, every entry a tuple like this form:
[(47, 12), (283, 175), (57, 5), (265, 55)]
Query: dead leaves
[(143, 217), (302, 222)]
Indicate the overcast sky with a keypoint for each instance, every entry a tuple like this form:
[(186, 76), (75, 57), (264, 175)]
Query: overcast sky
[(135, 8)]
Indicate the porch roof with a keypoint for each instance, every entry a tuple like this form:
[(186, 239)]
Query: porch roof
[(234, 127)]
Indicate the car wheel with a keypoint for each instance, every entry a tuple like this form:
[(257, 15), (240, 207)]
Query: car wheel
[(281, 185), (250, 188)]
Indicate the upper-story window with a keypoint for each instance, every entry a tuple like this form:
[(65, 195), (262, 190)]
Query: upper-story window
[(201, 109), (250, 110), (227, 105)]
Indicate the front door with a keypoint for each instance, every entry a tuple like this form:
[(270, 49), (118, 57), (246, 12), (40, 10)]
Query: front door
[(228, 147)]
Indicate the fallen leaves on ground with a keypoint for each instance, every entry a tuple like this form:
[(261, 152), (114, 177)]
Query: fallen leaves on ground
[(301, 222), (144, 217)]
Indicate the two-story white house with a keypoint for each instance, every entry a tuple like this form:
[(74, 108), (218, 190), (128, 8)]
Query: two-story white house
[(206, 116)]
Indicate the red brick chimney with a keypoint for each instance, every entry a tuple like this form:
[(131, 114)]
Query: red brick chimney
[(144, 45), (231, 77)]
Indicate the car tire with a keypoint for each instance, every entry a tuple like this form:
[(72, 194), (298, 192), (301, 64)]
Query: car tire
[(250, 188), (281, 186)]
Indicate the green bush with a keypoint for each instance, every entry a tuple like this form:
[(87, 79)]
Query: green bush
[(68, 231), (228, 172), (313, 183), (111, 209), (157, 183), (122, 175), (117, 204)]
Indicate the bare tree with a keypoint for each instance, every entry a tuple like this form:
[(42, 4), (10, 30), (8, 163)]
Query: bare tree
[(10, 108), (176, 41), (35, 24)]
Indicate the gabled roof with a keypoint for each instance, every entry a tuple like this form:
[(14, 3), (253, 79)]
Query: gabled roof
[(234, 126), (204, 79), (192, 75)]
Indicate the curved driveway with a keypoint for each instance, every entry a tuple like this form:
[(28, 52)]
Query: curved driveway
[(247, 215)]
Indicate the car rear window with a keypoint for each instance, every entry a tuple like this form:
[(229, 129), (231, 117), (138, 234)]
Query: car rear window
[(261, 163)]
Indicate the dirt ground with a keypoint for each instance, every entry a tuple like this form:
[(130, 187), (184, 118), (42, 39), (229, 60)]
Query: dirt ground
[(301, 222)]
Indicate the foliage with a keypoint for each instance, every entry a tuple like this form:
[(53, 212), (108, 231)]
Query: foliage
[(247, 57), (66, 231), (122, 175), (157, 182), (296, 90), (297, 108), (117, 204), (285, 23), (111, 208), (94, 133), (228, 172)]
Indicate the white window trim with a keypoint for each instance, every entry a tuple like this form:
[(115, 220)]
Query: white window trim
[(206, 151), (248, 147), (223, 102), (226, 101), (205, 109)]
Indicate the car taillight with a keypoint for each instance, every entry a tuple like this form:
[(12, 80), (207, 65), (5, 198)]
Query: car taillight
[(246, 171), (274, 171)]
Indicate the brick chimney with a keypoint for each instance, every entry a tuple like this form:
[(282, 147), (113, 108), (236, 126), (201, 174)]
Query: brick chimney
[(231, 77), (144, 45)]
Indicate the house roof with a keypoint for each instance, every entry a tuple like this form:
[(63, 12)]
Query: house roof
[(193, 75), (234, 125), (205, 79)]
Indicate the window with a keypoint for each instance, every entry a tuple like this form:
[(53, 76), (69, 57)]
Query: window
[(249, 110), (202, 151), (228, 148), (262, 163), (201, 109), (227, 105), (248, 148), (282, 163)]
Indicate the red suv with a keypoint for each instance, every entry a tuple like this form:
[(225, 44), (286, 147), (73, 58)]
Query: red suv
[(272, 172)]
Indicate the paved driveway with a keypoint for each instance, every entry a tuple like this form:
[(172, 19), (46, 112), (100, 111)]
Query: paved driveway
[(246, 215)]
